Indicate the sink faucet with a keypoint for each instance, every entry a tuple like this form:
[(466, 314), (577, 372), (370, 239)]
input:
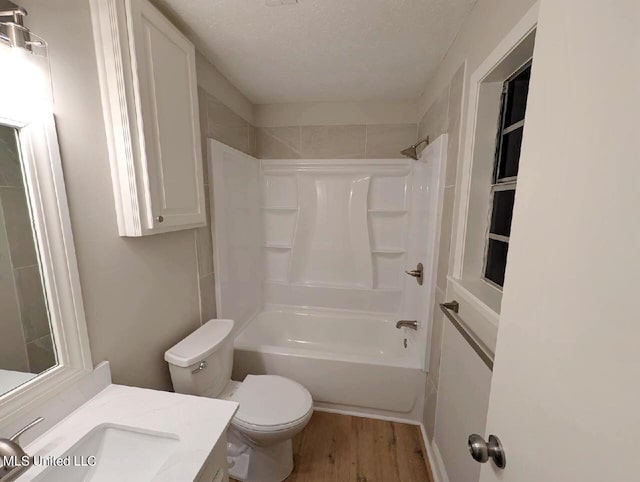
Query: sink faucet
[(13, 459), (413, 324)]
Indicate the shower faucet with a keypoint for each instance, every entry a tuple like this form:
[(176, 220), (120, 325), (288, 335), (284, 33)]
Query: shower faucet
[(417, 273), (413, 324)]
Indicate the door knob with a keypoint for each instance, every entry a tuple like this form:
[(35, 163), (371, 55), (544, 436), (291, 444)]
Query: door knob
[(417, 273), (482, 451)]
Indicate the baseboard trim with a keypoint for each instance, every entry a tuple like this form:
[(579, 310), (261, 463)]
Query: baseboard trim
[(438, 469), (438, 463), (430, 458)]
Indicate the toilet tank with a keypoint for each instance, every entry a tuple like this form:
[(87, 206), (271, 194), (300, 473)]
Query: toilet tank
[(201, 363)]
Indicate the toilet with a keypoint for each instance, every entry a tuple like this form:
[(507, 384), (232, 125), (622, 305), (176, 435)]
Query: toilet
[(272, 409)]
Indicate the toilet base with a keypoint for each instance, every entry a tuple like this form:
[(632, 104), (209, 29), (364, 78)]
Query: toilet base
[(272, 463)]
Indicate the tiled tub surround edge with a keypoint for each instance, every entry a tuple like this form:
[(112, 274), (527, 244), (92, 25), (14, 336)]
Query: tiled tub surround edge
[(349, 141)]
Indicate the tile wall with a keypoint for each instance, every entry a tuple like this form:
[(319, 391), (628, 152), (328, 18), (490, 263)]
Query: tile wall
[(217, 121), (334, 142), (444, 115)]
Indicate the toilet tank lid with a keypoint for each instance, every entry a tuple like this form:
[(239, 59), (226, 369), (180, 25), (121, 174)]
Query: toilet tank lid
[(199, 344)]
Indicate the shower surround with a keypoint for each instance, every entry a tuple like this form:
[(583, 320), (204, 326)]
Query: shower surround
[(310, 258)]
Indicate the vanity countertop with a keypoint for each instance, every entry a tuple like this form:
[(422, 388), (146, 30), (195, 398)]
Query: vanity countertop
[(196, 422)]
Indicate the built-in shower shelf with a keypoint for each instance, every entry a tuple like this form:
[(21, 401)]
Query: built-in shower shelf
[(387, 211), (277, 246), (388, 251), (281, 208)]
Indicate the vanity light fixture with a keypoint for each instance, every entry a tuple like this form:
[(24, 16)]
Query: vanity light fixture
[(25, 83), (12, 29)]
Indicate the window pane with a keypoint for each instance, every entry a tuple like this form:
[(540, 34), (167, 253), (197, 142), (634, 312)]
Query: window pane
[(496, 261), (510, 154), (517, 93), (502, 212)]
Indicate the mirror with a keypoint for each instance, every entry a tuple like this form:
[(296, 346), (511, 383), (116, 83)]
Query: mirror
[(26, 342)]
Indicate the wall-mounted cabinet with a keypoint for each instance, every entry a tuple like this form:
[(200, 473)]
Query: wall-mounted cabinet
[(150, 102)]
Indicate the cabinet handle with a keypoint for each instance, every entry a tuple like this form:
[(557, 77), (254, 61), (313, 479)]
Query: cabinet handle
[(160, 219)]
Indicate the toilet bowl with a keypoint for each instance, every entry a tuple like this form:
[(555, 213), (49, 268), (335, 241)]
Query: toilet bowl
[(272, 409)]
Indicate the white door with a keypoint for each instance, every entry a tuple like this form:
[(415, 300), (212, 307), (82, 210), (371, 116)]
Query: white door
[(565, 397), (169, 104)]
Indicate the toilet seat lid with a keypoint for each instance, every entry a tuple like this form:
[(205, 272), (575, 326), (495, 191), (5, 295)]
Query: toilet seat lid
[(270, 400)]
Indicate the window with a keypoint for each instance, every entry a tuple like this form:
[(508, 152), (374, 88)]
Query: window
[(505, 173)]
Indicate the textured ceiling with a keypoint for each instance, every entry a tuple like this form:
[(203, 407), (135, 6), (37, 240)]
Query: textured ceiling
[(323, 50)]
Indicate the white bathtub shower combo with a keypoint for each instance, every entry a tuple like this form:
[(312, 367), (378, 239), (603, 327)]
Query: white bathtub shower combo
[(310, 260)]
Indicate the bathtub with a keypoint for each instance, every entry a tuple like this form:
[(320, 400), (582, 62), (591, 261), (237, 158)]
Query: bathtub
[(346, 359)]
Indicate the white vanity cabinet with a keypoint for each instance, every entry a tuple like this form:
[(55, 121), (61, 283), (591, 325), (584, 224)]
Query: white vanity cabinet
[(215, 470), (150, 102)]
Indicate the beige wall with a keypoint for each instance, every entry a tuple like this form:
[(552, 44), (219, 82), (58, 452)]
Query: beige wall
[(442, 109), (141, 295)]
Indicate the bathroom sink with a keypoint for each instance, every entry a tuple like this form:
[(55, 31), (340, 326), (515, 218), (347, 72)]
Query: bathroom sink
[(121, 453)]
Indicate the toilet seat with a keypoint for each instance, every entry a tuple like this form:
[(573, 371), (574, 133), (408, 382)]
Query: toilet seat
[(270, 403)]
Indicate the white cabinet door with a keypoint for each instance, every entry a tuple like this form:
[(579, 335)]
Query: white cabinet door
[(169, 107), (565, 393), (149, 90)]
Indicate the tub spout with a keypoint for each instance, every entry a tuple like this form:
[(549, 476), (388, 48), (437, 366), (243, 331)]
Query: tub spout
[(413, 324)]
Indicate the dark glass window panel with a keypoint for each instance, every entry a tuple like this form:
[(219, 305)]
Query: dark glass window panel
[(502, 212), (517, 93), (496, 261), (510, 154)]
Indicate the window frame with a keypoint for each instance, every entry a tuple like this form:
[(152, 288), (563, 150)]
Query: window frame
[(505, 183), (511, 51)]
